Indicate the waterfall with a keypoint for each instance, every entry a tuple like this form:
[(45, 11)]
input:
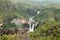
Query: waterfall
[(32, 23), (32, 28)]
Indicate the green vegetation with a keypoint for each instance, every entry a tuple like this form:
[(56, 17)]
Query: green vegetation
[(8, 26), (48, 14), (48, 31), (8, 37), (49, 18)]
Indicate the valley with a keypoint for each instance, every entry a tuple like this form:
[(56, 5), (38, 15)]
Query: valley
[(29, 20)]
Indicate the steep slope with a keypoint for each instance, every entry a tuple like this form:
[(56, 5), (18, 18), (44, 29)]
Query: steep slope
[(49, 13), (26, 9), (22, 10)]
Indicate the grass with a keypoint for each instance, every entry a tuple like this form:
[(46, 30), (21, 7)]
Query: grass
[(8, 37)]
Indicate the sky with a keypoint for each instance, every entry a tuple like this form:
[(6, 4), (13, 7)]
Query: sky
[(50, 0), (55, 1)]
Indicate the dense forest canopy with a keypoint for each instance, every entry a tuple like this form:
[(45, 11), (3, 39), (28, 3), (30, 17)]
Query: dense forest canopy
[(48, 18)]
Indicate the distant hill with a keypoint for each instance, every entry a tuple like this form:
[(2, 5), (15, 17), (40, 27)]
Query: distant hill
[(26, 9)]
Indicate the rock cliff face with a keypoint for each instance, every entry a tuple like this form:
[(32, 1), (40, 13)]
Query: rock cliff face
[(17, 21)]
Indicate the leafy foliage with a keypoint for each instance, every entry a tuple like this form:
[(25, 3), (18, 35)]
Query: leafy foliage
[(8, 37), (50, 14), (47, 31)]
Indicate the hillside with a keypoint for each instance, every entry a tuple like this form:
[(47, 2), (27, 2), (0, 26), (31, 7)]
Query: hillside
[(18, 11), (26, 9)]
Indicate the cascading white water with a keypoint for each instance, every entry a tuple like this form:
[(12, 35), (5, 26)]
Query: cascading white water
[(32, 28), (32, 23)]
